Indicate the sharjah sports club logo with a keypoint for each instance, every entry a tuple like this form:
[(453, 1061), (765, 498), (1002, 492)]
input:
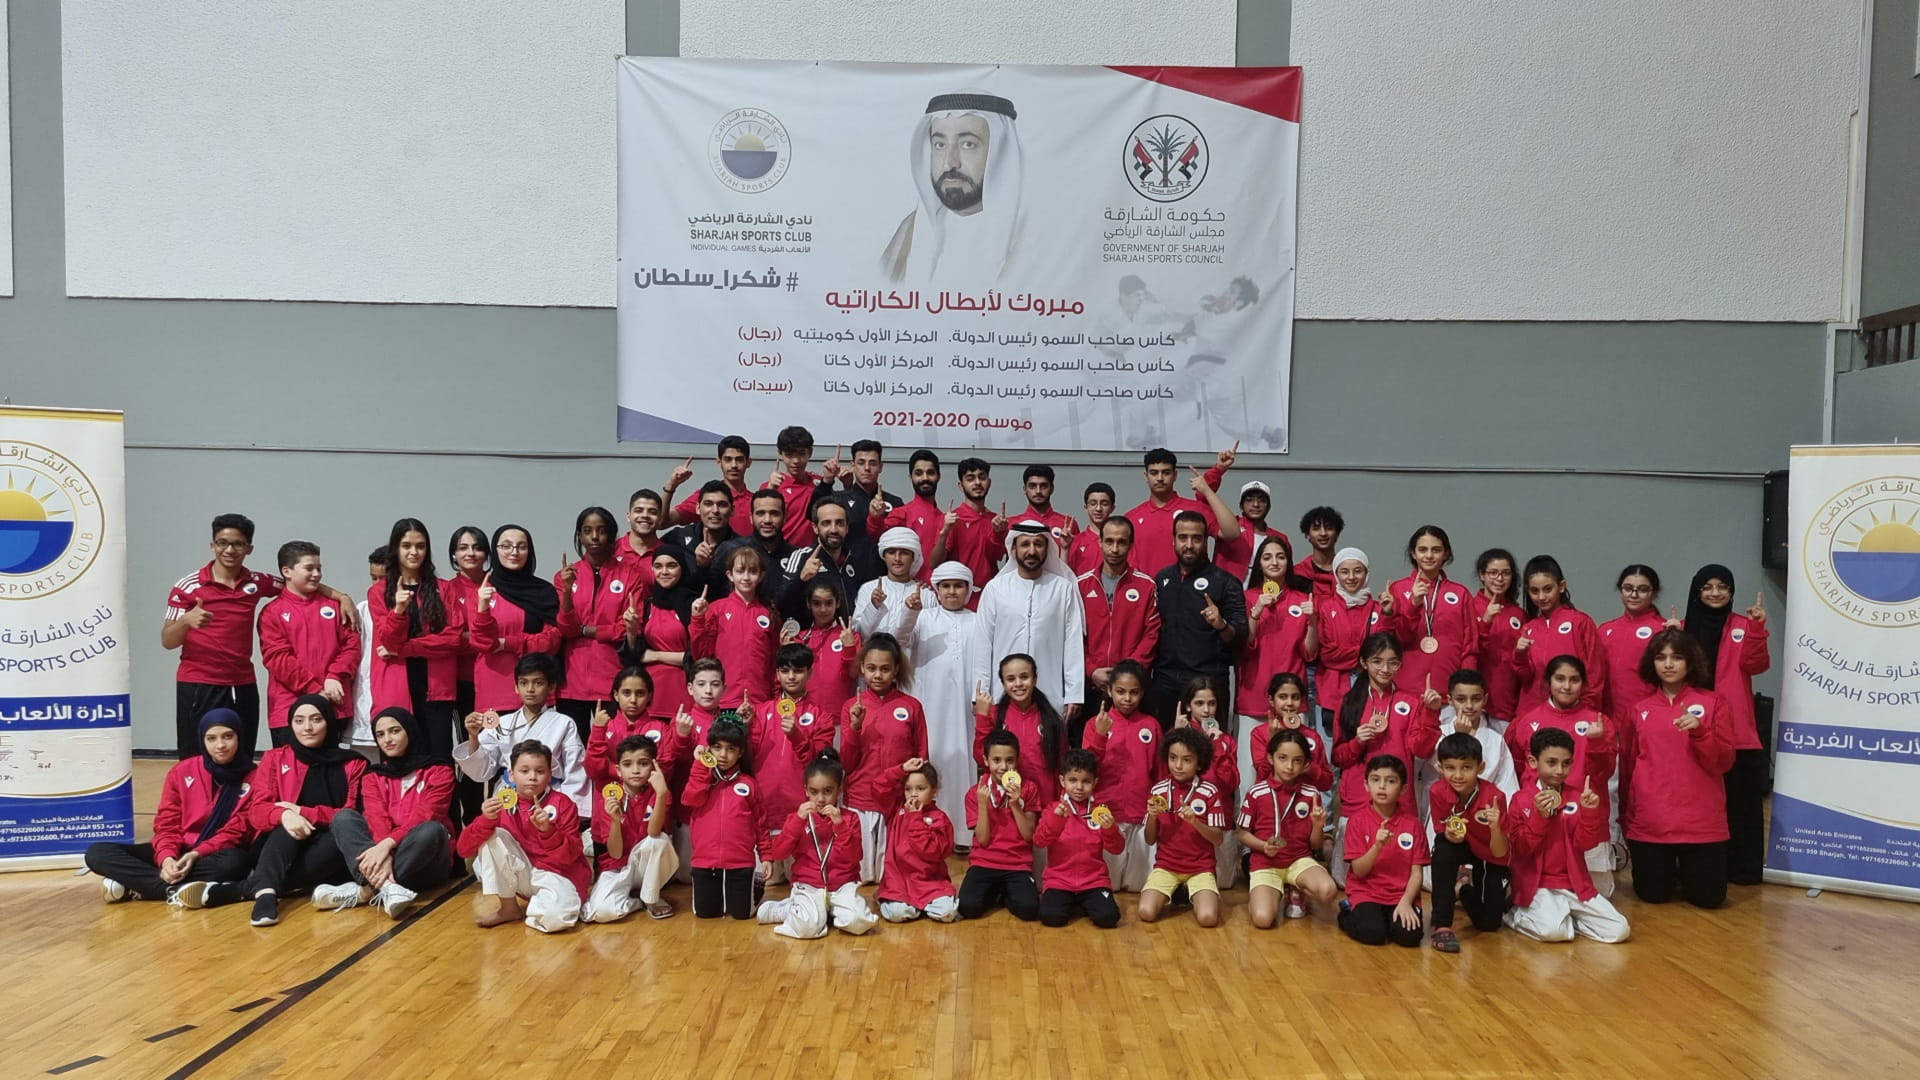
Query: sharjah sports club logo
[(1166, 158), (1861, 553), (749, 150), (51, 522)]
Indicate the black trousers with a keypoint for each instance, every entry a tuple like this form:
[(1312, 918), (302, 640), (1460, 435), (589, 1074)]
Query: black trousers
[(191, 701), (1484, 897), (718, 892), (581, 713), (1059, 906), (982, 890), (133, 865), (283, 865), (1698, 871), (1747, 784), (422, 859), (1373, 924)]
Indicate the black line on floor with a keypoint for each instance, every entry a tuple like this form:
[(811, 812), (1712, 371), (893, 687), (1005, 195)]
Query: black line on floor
[(300, 993), (170, 1033), (254, 1004), (72, 1065)]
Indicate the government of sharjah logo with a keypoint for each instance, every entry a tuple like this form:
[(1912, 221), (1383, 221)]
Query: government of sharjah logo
[(50, 521), (1861, 552), (1166, 158), (749, 150)]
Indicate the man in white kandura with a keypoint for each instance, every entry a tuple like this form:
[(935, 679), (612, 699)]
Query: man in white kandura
[(966, 170), (1033, 606)]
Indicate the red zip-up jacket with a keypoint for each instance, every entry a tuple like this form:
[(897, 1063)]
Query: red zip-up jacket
[(186, 802), (278, 779), (1005, 848), (894, 732), (1496, 660), (505, 622), (1130, 763), (825, 854), (1037, 781), (635, 812), (664, 632), (725, 819), (304, 641), (1625, 641), (1060, 526), (1276, 642), (1743, 654), (1672, 782), (466, 591), (1127, 629), (743, 635), (600, 600), (798, 493), (831, 684), (918, 844), (1412, 732), (1444, 802), (1593, 756), (1223, 771), (440, 649), (1342, 629), (392, 813), (557, 850), (1083, 554), (1456, 630), (1319, 771), (1573, 829), (1153, 531), (975, 543), (603, 746), (780, 757), (1563, 632), (1074, 844)]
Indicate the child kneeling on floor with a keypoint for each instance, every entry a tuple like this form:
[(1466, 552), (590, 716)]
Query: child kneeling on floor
[(1554, 898), (526, 842), (823, 840)]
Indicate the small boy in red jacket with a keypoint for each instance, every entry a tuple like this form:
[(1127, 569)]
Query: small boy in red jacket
[(1468, 834), (1000, 866), (729, 839), (1075, 833), (307, 641), (526, 842), (1553, 896), (629, 832)]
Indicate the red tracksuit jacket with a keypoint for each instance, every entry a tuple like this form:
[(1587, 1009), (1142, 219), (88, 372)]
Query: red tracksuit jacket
[(725, 819), (1496, 660), (1153, 530), (780, 757), (1286, 810), (1037, 781), (743, 635), (831, 684), (1412, 731), (1074, 845), (664, 632), (1342, 629), (1128, 628), (557, 850), (1561, 632), (1592, 756), (635, 812), (1005, 848), (392, 813), (1743, 654), (1275, 643), (603, 746), (825, 854), (918, 844), (1537, 846), (1083, 554), (925, 519), (1456, 629), (505, 622), (1130, 763), (1444, 802), (600, 600), (1319, 771), (278, 779), (186, 802), (441, 650), (893, 732), (1672, 782), (303, 643)]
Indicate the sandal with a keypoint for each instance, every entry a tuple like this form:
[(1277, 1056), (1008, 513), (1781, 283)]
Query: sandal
[(660, 909), (1444, 941)]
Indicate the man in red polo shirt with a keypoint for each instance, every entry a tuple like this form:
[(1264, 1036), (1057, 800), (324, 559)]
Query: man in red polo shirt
[(1153, 519), (210, 620)]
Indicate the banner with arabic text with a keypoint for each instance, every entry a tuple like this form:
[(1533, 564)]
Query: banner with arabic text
[(1846, 797), (1084, 258), (66, 735)]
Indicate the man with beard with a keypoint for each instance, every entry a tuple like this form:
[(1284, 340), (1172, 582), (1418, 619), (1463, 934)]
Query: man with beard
[(1033, 607), (920, 513), (970, 533), (863, 494), (847, 559), (1203, 618), (1123, 619), (769, 525), (1037, 485), (966, 168), (710, 528)]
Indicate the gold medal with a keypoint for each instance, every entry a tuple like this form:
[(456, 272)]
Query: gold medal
[(705, 757), (1011, 781), (787, 707), (509, 798), (1456, 826), (1271, 588), (1102, 816), (612, 791), (1157, 804), (1429, 644)]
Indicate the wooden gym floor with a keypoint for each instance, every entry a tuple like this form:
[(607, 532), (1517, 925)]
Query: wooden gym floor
[(1775, 984)]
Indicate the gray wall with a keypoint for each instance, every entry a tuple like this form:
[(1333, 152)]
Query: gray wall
[(1601, 443), (1890, 276)]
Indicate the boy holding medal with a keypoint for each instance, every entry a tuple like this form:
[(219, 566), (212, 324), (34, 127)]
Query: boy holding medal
[(629, 833), (1467, 811)]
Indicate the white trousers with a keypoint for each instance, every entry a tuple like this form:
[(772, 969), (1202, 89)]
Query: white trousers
[(804, 913), (504, 870), (939, 909), (873, 845), (1557, 915), (1130, 868), (648, 867)]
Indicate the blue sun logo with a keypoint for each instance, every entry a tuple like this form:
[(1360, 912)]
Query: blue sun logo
[(1862, 551), (36, 522)]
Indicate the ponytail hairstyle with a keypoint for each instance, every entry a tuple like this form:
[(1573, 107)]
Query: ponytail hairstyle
[(1355, 702), (1543, 564), (1437, 533), (580, 523), (453, 544), (1639, 570), (827, 763), (426, 615), (1053, 730), (1287, 678), (902, 667)]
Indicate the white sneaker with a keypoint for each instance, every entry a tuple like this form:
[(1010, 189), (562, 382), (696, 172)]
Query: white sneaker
[(769, 913), (191, 895), (336, 897), (393, 899), (112, 891)]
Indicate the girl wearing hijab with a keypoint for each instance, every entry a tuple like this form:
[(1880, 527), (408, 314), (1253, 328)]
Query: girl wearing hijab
[(658, 634), (467, 551), (595, 594), (200, 828), (402, 843), (515, 612), (419, 628), (1735, 649), (1343, 618), (298, 790)]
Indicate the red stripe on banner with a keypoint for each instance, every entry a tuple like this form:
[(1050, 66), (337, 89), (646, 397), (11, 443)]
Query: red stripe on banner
[(1271, 90)]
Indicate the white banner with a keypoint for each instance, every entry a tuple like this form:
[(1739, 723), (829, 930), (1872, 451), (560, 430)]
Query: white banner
[(1846, 800), (943, 255), (66, 739)]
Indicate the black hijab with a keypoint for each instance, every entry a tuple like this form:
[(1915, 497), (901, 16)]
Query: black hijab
[(326, 782), (417, 756), (524, 586), (228, 778), (1707, 625), (680, 598)]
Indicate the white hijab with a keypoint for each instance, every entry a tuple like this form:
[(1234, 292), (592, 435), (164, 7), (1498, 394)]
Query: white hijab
[(1352, 554)]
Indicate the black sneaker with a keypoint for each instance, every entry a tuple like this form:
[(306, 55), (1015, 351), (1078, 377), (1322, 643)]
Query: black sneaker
[(266, 910), (220, 893)]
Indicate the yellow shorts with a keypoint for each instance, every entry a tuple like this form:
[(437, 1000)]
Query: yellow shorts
[(1165, 881), (1282, 879)]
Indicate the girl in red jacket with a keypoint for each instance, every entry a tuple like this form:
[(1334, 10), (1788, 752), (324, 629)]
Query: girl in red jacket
[(1675, 749), (1345, 617), (823, 840), (1735, 648), (730, 847), (1026, 712), (1126, 739), (298, 790), (835, 646), (1433, 616), (1497, 606), (1282, 635), (200, 829), (402, 842), (515, 612), (1595, 748), (1281, 823), (526, 842), (595, 594), (1625, 638), (885, 727), (1201, 702), (632, 715), (1286, 702), (916, 881), (467, 554), (659, 628), (1555, 628), (418, 628), (740, 629)]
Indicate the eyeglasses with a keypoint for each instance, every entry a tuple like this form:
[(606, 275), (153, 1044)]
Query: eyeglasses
[(1636, 590), (231, 545), (505, 545)]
